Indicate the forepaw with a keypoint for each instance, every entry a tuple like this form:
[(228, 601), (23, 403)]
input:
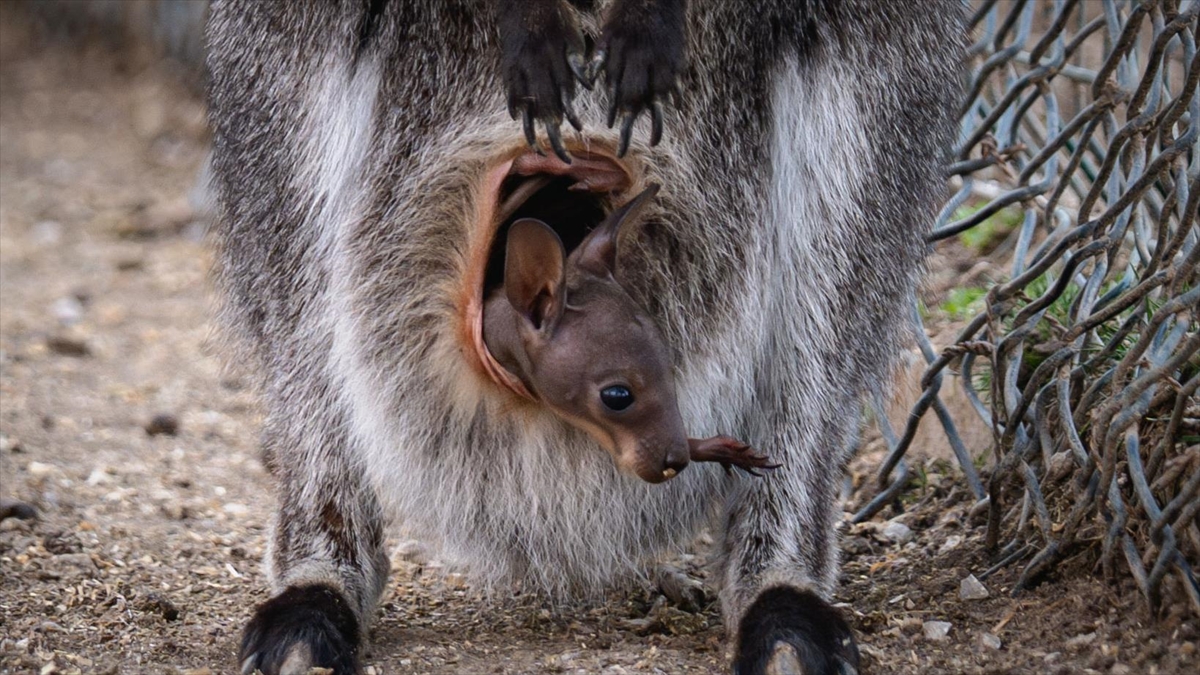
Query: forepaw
[(641, 54), (789, 631), (730, 452), (543, 55), (302, 628)]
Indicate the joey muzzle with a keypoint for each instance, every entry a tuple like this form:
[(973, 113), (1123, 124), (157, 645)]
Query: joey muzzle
[(654, 461)]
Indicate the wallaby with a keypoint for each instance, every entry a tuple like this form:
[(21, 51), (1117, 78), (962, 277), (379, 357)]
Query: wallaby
[(573, 339), (363, 153)]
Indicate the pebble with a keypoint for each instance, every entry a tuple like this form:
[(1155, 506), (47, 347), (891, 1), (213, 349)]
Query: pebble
[(68, 310), (40, 470), (235, 509), (162, 424), (952, 542), (989, 640), (10, 444), (60, 543), (972, 589), (1121, 669), (897, 532), (1080, 641), (156, 603), (936, 630), (68, 346), (71, 564), (47, 233)]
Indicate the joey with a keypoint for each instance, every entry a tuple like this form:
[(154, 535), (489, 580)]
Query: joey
[(579, 343)]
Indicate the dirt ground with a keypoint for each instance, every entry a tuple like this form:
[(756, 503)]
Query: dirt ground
[(118, 424)]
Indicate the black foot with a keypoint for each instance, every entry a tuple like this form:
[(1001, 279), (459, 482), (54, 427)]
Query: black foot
[(788, 631), (642, 56), (299, 629), (542, 56)]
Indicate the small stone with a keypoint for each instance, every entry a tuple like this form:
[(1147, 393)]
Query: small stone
[(972, 589), (897, 532), (1121, 669), (162, 424), (68, 346), (936, 630), (10, 444), (48, 669), (952, 542), (156, 603), (989, 640), (198, 671), (71, 564), (47, 233), (1078, 642), (61, 543), (68, 310), (40, 470), (235, 509), (98, 476)]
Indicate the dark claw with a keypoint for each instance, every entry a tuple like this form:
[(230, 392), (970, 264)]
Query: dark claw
[(530, 131), (569, 111), (626, 132), (595, 65), (656, 128), (556, 142), (580, 68)]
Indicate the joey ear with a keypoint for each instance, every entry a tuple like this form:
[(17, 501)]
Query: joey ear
[(534, 272), (598, 252)]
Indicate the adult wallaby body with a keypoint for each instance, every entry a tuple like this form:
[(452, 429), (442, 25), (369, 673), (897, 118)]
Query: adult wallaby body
[(362, 152)]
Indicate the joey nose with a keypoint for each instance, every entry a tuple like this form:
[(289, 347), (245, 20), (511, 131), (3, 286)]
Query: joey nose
[(675, 462)]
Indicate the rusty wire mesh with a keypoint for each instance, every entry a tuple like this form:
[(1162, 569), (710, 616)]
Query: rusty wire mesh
[(1085, 117)]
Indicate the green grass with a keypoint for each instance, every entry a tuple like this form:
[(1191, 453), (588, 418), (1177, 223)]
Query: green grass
[(964, 303), (984, 237)]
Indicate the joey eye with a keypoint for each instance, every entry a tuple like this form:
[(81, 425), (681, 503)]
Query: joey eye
[(616, 397)]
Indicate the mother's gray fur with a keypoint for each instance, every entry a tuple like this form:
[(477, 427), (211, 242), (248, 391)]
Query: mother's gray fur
[(799, 174)]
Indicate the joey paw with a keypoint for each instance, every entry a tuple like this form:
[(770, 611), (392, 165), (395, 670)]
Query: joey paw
[(730, 452), (304, 627), (792, 631), (641, 54)]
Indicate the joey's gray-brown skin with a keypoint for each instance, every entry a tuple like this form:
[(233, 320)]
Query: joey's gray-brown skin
[(575, 339), (353, 147)]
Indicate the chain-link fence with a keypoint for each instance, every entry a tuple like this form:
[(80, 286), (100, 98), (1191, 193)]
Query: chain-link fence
[(1083, 119)]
